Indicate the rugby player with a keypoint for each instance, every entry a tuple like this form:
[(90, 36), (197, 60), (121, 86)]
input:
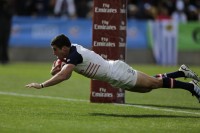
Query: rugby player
[(115, 72)]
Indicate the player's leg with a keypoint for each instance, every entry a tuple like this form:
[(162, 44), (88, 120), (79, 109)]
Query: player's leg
[(183, 71), (150, 83), (147, 83)]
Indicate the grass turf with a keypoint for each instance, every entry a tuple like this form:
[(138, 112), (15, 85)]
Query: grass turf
[(28, 110)]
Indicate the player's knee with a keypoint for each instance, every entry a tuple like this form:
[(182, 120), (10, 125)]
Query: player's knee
[(156, 83), (153, 84)]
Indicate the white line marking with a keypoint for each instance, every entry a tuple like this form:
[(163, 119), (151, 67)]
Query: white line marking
[(160, 109), (80, 100), (40, 96)]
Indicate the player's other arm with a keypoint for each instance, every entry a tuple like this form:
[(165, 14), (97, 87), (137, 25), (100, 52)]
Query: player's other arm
[(64, 74)]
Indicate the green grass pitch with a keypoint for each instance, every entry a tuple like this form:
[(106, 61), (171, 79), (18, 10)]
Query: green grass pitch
[(65, 108)]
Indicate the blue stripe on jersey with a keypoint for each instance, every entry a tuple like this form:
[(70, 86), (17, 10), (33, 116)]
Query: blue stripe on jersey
[(74, 57)]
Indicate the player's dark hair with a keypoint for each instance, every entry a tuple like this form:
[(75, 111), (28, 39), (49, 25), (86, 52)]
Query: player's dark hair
[(60, 41)]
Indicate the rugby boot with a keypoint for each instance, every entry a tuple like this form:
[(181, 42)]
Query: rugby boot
[(196, 91), (189, 73)]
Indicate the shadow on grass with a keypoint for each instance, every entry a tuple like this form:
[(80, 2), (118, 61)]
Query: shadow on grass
[(142, 116), (178, 108), (164, 106)]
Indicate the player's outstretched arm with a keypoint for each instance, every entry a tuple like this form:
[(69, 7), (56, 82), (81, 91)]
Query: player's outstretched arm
[(64, 74)]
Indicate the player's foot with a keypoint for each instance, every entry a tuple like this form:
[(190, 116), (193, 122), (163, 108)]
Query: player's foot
[(189, 73), (196, 91)]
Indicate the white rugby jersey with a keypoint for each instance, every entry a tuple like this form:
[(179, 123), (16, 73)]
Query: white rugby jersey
[(88, 63), (91, 65)]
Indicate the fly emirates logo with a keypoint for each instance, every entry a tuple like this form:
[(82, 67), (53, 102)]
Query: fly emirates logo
[(104, 43), (102, 93), (104, 26), (105, 9)]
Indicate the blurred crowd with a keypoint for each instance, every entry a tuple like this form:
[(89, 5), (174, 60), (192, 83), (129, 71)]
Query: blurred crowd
[(56, 8), (180, 10)]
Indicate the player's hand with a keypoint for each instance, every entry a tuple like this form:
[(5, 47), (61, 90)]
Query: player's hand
[(34, 85), (55, 70)]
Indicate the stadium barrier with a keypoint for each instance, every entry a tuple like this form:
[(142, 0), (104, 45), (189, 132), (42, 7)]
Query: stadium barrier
[(38, 32)]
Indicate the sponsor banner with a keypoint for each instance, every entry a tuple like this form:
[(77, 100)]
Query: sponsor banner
[(38, 32), (109, 41), (137, 34), (189, 36)]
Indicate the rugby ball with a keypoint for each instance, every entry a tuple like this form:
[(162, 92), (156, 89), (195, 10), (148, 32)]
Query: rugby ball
[(60, 63), (57, 66)]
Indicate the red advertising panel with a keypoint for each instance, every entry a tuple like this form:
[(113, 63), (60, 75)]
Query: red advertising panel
[(109, 41)]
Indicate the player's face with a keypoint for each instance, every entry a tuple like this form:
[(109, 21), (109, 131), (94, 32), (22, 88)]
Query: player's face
[(60, 53), (57, 52)]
